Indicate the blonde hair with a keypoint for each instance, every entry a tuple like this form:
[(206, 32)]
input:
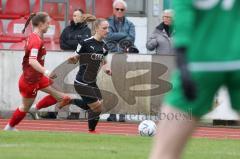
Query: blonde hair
[(96, 24), (98, 21)]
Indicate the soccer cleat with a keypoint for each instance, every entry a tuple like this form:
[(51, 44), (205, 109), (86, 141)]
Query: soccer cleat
[(33, 109), (9, 128), (66, 100), (34, 113), (93, 132)]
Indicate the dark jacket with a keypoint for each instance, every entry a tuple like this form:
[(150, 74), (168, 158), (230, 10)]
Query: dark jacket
[(72, 34), (127, 31)]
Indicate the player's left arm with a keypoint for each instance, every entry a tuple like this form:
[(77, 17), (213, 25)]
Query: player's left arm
[(34, 47), (73, 59), (105, 66), (80, 49)]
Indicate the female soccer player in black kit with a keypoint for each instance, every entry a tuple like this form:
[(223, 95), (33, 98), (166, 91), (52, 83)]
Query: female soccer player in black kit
[(91, 55)]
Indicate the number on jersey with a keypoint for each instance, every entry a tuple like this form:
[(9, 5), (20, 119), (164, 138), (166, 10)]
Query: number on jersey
[(209, 4)]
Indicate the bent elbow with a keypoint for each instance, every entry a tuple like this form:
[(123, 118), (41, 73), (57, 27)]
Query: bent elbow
[(32, 61)]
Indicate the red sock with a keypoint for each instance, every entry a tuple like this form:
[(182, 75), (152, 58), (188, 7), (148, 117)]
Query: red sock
[(17, 117), (46, 102)]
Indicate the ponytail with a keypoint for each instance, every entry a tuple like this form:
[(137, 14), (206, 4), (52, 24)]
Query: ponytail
[(28, 21)]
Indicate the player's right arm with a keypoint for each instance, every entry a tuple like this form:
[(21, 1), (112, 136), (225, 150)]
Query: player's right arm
[(75, 58)]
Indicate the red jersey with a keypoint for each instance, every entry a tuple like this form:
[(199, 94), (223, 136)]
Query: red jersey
[(34, 49)]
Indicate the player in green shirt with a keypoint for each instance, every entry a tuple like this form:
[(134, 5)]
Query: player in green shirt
[(208, 56)]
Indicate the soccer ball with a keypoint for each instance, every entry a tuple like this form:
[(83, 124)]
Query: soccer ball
[(147, 128)]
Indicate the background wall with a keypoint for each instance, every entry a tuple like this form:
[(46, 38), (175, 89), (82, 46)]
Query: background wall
[(10, 70), (130, 76)]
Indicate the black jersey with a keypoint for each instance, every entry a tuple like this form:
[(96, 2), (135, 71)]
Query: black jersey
[(92, 53)]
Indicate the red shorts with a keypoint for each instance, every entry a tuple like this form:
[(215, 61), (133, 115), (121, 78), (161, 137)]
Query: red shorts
[(30, 90)]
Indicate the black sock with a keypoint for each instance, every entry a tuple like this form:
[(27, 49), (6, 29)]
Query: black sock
[(80, 103), (93, 118)]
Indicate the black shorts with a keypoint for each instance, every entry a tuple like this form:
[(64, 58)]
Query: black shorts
[(90, 93)]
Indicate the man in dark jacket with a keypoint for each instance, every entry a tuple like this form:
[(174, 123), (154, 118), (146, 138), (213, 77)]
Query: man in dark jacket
[(77, 30)]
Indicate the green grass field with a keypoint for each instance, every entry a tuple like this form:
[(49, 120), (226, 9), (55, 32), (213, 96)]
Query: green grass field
[(45, 145)]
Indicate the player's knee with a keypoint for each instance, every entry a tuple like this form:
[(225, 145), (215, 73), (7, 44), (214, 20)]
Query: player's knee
[(92, 115), (97, 107)]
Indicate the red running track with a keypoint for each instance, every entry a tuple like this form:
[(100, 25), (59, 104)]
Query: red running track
[(114, 128)]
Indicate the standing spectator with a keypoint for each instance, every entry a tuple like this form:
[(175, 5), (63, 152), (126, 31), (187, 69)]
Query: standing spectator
[(160, 40), (120, 28), (77, 30)]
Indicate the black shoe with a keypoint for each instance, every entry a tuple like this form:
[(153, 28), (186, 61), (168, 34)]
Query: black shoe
[(112, 117), (73, 116), (121, 118)]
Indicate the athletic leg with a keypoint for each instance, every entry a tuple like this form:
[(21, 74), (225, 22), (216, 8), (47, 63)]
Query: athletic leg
[(46, 102), (91, 101), (20, 113), (172, 131), (59, 96), (172, 134), (80, 103), (94, 115), (28, 93)]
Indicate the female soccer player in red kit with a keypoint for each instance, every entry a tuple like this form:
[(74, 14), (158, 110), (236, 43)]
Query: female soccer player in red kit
[(35, 76)]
